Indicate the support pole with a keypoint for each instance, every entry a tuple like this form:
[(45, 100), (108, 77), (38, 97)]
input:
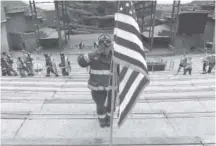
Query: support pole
[(153, 23), (176, 22), (114, 75), (63, 19), (142, 15), (33, 19), (58, 24), (66, 13), (172, 17), (113, 101), (36, 21), (151, 19)]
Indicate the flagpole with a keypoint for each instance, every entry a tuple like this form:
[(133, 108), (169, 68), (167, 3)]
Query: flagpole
[(113, 91)]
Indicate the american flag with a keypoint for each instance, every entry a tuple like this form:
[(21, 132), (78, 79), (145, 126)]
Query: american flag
[(129, 53)]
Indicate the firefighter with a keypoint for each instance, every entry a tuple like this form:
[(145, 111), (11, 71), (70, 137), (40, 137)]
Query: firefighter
[(211, 61), (21, 67), (99, 82), (205, 62), (10, 64), (50, 65), (5, 65), (28, 60), (183, 63), (64, 65)]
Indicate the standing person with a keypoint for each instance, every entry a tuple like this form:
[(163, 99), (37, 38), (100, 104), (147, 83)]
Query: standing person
[(188, 67), (99, 82), (5, 65), (80, 46), (21, 67), (64, 65), (183, 63), (50, 65), (38, 67), (211, 62), (25, 61), (10, 64), (205, 62), (29, 64)]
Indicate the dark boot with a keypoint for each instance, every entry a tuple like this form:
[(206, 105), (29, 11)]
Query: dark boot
[(102, 122), (47, 75), (107, 118)]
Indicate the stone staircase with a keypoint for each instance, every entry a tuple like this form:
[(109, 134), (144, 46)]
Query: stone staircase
[(173, 110)]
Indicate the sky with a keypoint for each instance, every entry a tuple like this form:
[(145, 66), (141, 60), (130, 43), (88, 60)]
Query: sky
[(50, 6)]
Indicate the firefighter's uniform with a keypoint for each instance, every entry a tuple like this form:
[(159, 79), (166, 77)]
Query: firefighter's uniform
[(21, 67), (99, 81), (50, 65), (211, 61), (64, 65), (10, 63), (5, 66), (29, 64)]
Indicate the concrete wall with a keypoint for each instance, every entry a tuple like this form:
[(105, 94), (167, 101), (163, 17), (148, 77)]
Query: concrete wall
[(20, 39), (185, 41), (30, 24), (29, 40), (16, 23), (198, 40), (209, 31)]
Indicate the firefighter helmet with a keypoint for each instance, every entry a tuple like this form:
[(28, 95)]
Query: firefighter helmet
[(104, 40)]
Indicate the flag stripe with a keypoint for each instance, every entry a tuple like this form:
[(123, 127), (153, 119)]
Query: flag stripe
[(126, 19), (122, 73), (128, 36), (128, 28), (126, 77), (130, 92), (128, 65), (127, 85), (128, 44), (130, 61), (132, 102), (130, 53)]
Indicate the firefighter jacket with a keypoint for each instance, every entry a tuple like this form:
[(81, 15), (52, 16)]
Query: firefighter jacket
[(100, 74), (65, 63), (28, 59), (4, 63), (211, 60), (20, 64), (50, 63)]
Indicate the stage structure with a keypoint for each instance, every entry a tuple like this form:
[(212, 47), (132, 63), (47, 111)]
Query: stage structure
[(61, 11), (146, 12)]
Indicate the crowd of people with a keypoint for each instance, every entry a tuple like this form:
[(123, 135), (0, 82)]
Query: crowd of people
[(25, 65), (186, 63)]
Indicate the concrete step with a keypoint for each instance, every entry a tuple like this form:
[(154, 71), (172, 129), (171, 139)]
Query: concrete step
[(83, 129), (85, 76), (84, 109), (159, 141)]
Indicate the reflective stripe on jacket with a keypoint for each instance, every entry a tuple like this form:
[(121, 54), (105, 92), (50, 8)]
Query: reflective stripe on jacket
[(100, 72), (100, 75)]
